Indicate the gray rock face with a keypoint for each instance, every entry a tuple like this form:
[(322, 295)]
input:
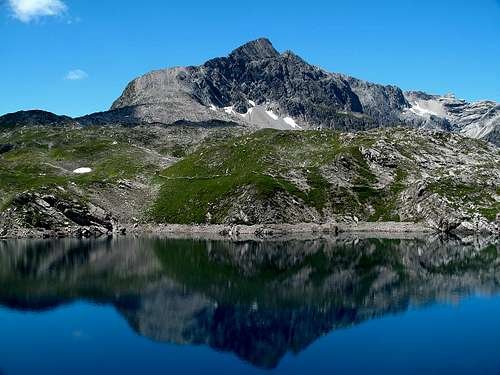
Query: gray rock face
[(256, 75), (56, 216), (476, 120), (286, 87), (382, 103)]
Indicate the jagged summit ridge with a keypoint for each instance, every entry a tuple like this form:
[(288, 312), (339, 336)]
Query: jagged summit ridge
[(284, 84), (258, 49)]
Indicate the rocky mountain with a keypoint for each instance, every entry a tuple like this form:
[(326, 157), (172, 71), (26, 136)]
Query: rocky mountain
[(258, 87), (187, 145)]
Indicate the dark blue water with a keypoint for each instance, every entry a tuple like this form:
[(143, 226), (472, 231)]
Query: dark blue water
[(323, 306)]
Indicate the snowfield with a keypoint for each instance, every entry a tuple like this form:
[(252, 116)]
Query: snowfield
[(82, 170)]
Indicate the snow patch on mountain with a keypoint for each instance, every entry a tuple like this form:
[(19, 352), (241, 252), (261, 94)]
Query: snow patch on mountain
[(290, 121), (83, 170), (259, 116), (272, 115), (427, 108)]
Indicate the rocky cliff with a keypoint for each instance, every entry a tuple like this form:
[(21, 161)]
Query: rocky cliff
[(255, 80)]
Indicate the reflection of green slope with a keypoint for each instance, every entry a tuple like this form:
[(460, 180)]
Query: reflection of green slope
[(483, 260), (218, 270), (211, 272), (35, 294), (188, 263)]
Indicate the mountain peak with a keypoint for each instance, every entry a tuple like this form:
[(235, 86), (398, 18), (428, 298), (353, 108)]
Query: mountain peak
[(258, 49), (284, 86)]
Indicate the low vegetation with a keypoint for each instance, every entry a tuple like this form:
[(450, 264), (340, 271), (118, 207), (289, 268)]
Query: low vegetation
[(330, 172), (263, 177), (45, 158)]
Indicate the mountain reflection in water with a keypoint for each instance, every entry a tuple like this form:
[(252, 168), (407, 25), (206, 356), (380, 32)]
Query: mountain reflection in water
[(256, 299)]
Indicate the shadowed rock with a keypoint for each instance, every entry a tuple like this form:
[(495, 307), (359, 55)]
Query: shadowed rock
[(34, 118)]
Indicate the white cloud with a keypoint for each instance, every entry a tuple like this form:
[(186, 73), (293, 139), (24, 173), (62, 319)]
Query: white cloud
[(76, 75), (28, 10)]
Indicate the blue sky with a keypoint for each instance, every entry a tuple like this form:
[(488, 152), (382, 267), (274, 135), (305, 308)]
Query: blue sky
[(76, 56)]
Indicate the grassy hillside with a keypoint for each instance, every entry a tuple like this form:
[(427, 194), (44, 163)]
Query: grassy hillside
[(45, 158), (328, 175), (199, 175)]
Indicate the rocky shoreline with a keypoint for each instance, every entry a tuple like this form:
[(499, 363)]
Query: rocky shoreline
[(47, 216), (226, 231), (273, 229)]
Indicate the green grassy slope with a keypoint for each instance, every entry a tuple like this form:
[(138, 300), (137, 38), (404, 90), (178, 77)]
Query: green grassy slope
[(381, 175), (324, 170), (44, 158)]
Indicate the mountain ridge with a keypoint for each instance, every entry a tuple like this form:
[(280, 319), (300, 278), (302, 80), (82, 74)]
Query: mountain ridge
[(257, 86)]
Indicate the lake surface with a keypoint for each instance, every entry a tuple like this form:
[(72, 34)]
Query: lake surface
[(341, 305)]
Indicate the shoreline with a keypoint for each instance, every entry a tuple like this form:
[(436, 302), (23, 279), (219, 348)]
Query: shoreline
[(270, 229), (231, 231)]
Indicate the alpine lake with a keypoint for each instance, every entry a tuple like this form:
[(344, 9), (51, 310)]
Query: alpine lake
[(348, 304)]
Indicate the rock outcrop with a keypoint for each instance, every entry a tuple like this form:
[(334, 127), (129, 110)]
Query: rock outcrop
[(51, 215)]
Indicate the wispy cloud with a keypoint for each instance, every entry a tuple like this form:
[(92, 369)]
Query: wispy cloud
[(28, 10), (76, 75)]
